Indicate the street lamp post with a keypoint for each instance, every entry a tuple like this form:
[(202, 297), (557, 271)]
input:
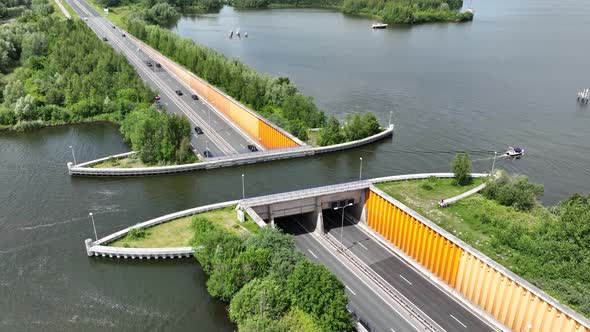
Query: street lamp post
[(342, 228), (494, 162), (73, 155), (243, 188), (361, 169), (93, 226)]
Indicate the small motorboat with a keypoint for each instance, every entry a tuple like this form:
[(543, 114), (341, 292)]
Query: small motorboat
[(379, 26), (514, 152)]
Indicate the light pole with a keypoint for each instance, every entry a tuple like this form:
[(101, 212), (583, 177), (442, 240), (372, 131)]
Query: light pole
[(93, 226), (342, 228), (73, 155), (243, 188), (361, 169), (494, 162)]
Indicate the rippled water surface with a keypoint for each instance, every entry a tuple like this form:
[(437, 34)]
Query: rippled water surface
[(509, 77)]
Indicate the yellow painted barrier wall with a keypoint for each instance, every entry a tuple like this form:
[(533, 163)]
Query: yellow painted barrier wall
[(256, 127), (483, 284)]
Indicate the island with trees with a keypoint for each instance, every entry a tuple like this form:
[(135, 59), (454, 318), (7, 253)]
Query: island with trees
[(389, 11)]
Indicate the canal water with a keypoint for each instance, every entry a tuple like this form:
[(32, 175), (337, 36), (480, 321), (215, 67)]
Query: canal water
[(509, 77)]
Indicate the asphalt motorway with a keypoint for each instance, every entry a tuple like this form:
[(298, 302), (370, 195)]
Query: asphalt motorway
[(368, 304), (220, 137), (445, 311)]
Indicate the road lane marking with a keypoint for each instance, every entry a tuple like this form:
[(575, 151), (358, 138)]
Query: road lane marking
[(311, 252), (404, 259), (458, 321), (362, 245), (401, 276), (353, 293), (392, 330), (387, 302)]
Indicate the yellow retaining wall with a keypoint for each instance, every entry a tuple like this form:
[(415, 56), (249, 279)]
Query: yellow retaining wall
[(509, 302), (256, 127)]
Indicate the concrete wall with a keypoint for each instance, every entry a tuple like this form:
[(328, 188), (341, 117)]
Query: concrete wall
[(83, 169), (505, 296)]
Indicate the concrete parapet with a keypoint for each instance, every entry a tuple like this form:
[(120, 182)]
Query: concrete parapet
[(83, 169), (350, 145), (482, 284)]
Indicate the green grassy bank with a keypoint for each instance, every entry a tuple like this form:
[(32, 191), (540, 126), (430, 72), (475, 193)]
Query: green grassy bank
[(549, 247)]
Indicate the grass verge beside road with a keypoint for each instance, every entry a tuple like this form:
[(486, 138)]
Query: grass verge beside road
[(179, 233), (546, 246)]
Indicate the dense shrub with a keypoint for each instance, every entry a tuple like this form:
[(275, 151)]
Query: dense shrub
[(158, 137), (514, 191)]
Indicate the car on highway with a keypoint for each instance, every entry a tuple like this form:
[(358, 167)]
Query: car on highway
[(195, 97), (149, 64), (158, 65), (207, 154), (157, 98), (85, 18), (124, 35), (178, 92), (252, 148), (198, 130), (114, 27), (105, 38)]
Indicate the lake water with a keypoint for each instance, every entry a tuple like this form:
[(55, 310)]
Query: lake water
[(509, 77)]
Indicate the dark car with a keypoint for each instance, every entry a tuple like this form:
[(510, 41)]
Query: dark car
[(124, 35), (195, 97), (105, 39), (198, 130), (157, 98), (178, 92), (149, 64), (114, 27), (252, 148), (158, 65), (207, 154)]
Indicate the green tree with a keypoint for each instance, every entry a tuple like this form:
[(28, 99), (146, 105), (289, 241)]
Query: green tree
[(263, 298), (461, 167), (316, 291), (331, 133)]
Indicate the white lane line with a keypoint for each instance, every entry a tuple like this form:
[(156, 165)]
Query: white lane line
[(357, 276), (349, 289), (392, 330), (401, 276), (362, 245), (311, 252), (458, 321)]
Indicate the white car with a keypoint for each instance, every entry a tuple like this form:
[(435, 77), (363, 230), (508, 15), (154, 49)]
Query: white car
[(85, 18)]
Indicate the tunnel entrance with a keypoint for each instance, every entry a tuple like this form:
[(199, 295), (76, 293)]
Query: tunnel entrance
[(322, 221)]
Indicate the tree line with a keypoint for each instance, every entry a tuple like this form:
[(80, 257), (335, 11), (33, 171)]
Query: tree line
[(163, 12), (273, 97), (63, 73), (13, 8), (268, 284), (409, 11)]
